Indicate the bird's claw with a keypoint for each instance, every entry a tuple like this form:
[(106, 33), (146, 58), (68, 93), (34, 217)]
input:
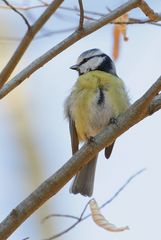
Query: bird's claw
[(91, 139), (113, 120)]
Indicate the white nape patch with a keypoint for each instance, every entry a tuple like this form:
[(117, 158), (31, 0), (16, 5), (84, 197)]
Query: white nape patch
[(113, 69), (92, 64)]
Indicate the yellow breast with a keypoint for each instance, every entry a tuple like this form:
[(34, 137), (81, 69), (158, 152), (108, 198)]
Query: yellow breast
[(89, 116)]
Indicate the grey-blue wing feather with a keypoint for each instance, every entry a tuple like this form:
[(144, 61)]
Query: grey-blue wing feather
[(73, 135)]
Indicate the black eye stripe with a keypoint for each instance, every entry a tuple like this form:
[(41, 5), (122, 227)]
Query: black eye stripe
[(86, 59)]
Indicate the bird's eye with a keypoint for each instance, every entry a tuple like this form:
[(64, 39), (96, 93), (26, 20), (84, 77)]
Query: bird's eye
[(84, 60)]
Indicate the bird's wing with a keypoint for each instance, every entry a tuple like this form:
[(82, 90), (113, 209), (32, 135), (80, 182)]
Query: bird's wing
[(73, 135), (108, 150)]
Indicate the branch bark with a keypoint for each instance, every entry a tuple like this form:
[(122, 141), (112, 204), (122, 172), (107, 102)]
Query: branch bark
[(81, 19), (149, 103), (149, 12), (32, 31), (77, 35)]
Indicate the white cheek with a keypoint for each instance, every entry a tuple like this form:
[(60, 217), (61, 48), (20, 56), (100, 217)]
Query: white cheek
[(84, 68), (92, 64)]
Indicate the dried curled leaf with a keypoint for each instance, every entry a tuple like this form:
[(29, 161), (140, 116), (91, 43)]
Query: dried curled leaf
[(101, 221), (119, 29), (122, 27)]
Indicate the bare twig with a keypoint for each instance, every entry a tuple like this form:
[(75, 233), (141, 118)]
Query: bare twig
[(138, 111), (19, 13), (122, 188), (81, 19), (50, 33), (47, 34), (78, 220), (130, 22), (6, 72), (77, 35), (60, 215), (24, 8), (149, 12), (141, 21), (45, 4), (82, 217)]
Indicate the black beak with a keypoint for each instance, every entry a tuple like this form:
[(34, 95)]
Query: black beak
[(75, 67)]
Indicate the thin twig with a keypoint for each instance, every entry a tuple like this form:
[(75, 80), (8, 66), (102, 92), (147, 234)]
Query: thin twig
[(47, 34), (118, 191), (24, 8), (27, 39), (103, 14), (78, 10), (50, 33), (142, 21), (145, 8), (122, 188), (19, 13), (74, 37), (83, 212), (81, 19), (44, 3), (81, 218), (132, 20), (63, 232), (59, 215), (149, 12)]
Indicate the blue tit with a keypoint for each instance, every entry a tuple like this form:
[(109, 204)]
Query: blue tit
[(98, 96)]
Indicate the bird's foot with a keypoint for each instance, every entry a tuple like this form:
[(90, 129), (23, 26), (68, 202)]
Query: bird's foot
[(113, 120), (91, 139)]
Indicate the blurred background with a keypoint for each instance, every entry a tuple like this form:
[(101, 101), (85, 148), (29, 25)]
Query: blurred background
[(34, 135)]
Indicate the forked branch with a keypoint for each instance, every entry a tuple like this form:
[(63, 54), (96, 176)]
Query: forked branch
[(27, 39), (74, 37), (149, 12)]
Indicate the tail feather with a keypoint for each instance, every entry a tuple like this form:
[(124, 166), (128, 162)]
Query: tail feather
[(84, 181), (108, 150)]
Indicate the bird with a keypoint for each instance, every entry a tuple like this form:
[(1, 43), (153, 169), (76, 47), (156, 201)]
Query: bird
[(97, 98)]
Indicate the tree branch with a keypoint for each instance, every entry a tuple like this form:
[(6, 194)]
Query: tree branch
[(155, 104), (74, 37), (81, 19), (149, 12), (32, 31), (146, 105)]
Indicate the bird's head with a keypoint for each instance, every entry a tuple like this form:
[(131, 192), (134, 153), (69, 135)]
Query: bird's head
[(94, 59)]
